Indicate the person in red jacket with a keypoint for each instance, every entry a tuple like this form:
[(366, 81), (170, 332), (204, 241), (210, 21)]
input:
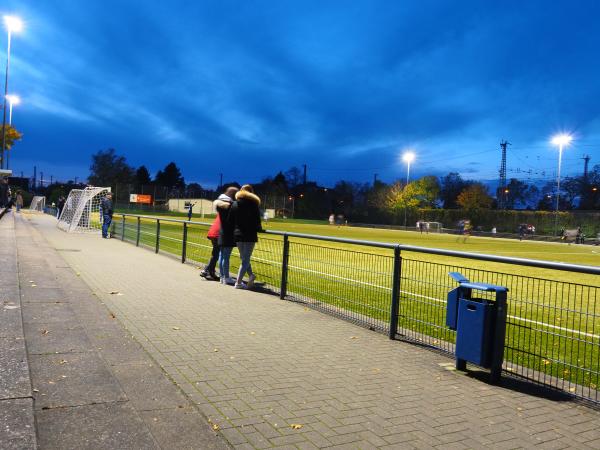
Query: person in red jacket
[(213, 236)]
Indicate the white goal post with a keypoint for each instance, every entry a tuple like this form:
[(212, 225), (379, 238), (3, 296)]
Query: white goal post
[(81, 212), (433, 227), (38, 203)]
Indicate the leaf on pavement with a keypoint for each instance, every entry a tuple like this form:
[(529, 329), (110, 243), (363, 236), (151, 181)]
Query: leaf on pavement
[(216, 427), (176, 328), (296, 426), (45, 332)]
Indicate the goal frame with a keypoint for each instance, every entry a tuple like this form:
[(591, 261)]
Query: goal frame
[(81, 212), (38, 203)]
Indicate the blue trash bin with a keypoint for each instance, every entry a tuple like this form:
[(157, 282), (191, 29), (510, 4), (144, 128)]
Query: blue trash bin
[(480, 325)]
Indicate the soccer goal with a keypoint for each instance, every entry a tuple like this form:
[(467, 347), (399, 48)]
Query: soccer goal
[(38, 203), (81, 212), (433, 227)]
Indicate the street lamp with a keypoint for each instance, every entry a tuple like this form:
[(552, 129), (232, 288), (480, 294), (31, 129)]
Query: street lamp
[(12, 24), (12, 100), (407, 157), (562, 140)]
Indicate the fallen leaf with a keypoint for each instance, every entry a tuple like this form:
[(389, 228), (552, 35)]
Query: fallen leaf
[(62, 361), (45, 332), (545, 361), (31, 281), (216, 427), (33, 285), (216, 350), (176, 328), (63, 376), (155, 419), (572, 389), (296, 426), (51, 382), (252, 333), (353, 337), (36, 390), (112, 316), (77, 273), (115, 293)]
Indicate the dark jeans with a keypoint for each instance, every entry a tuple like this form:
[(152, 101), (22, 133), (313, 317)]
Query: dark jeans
[(214, 257), (106, 221)]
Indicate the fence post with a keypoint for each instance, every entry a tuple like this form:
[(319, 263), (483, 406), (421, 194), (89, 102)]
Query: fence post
[(184, 245), (137, 239), (123, 228), (157, 236), (395, 309), (284, 267)]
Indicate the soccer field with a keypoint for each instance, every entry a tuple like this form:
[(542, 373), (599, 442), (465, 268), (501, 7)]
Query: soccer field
[(554, 317)]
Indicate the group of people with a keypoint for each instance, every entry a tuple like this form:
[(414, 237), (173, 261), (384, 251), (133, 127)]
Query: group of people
[(6, 196), (237, 224)]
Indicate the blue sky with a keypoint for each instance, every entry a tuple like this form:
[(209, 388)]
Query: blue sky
[(250, 88)]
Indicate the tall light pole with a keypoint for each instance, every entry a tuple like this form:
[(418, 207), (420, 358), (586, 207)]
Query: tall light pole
[(407, 157), (12, 100), (12, 24), (562, 140)]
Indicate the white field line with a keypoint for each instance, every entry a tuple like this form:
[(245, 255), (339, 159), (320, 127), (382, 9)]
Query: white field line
[(522, 319)]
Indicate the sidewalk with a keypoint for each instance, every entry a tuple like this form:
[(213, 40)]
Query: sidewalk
[(270, 373)]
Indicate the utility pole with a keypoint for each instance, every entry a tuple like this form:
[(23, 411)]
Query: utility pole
[(34, 177), (304, 165), (221, 184), (76, 180), (42, 179), (374, 180), (51, 179), (586, 162), (502, 197)]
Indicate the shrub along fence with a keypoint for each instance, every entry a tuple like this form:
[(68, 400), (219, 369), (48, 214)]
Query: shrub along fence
[(553, 325)]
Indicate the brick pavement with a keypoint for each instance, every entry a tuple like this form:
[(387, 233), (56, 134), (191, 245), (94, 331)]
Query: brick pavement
[(274, 374)]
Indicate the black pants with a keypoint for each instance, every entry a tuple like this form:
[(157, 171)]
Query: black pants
[(214, 257)]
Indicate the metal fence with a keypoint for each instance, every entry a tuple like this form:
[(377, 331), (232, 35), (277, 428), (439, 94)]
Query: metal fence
[(553, 325)]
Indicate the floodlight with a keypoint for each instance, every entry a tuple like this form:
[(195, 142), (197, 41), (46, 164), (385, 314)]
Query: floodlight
[(13, 99), (408, 157), (561, 139), (13, 24)]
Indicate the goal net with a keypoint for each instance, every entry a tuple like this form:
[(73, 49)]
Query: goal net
[(81, 212), (433, 227), (38, 203)]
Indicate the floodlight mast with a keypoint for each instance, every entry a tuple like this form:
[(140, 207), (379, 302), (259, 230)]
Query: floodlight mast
[(12, 24), (562, 140), (407, 157)]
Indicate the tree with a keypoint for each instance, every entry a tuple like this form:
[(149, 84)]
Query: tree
[(422, 193), (170, 177), (194, 190), (451, 186), (142, 176), (474, 197), (293, 177), (12, 135), (519, 194), (108, 169)]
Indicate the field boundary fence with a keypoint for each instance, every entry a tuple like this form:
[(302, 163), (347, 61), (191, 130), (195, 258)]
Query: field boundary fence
[(553, 325)]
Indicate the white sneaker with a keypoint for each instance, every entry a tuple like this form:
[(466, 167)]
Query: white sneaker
[(251, 279), (241, 285)]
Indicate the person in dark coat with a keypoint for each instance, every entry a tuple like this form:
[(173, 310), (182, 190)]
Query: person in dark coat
[(106, 205), (245, 215), (226, 241), (4, 192)]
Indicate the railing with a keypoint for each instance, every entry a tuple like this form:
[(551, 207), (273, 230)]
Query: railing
[(553, 327)]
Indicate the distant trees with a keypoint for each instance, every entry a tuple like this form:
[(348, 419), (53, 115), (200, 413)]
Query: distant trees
[(519, 193), (474, 197), (170, 177), (142, 176), (108, 169), (451, 186)]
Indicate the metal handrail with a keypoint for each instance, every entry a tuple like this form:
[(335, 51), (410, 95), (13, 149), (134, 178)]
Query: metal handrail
[(579, 268)]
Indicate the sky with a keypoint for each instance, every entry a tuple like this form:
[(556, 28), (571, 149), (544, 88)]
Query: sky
[(249, 88)]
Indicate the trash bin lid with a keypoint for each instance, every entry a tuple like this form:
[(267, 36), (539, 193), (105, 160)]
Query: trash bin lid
[(484, 287)]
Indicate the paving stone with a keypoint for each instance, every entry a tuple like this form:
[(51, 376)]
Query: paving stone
[(55, 338), (109, 425), (17, 427), (14, 370), (46, 313), (80, 380)]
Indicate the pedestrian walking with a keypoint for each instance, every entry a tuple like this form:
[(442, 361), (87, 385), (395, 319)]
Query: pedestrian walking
[(213, 236), (245, 214), (59, 206), (19, 201), (226, 240), (106, 206)]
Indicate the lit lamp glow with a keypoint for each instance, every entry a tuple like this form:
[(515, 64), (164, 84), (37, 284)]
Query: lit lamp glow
[(408, 157), (12, 100), (562, 140)]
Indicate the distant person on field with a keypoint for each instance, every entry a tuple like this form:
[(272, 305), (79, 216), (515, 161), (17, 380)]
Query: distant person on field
[(107, 213), (190, 210), (226, 241), (245, 215), (494, 230), (467, 229), (213, 236)]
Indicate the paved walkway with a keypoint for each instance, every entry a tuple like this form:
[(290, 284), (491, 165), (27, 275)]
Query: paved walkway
[(270, 373)]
